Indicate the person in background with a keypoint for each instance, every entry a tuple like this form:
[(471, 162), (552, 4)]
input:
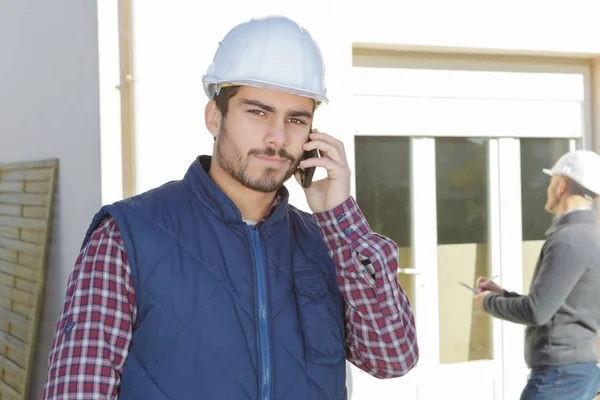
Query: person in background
[(562, 309), (214, 286)]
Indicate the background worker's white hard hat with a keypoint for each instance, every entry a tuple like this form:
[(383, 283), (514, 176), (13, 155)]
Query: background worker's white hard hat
[(581, 166), (271, 53)]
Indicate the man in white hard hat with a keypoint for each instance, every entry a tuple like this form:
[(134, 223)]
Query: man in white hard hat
[(214, 287), (562, 309)]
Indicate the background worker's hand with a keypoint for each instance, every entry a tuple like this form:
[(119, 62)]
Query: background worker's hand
[(483, 283), (480, 299)]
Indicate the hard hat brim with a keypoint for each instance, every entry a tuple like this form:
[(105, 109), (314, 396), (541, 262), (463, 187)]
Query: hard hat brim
[(210, 82), (586, 187)]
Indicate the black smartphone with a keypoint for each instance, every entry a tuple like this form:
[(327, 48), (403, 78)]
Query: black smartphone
[(306, 175)]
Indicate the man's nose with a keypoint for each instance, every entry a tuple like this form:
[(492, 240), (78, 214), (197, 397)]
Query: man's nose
[(276, 135)]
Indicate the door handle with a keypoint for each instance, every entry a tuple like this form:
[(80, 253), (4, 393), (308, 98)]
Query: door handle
[(408, 271)]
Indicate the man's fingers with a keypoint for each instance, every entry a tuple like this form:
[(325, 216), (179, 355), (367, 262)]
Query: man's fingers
[(326, 149), (336, 144), (481, 281)]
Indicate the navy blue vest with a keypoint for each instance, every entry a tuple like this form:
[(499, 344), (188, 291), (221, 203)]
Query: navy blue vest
[(227, 311)]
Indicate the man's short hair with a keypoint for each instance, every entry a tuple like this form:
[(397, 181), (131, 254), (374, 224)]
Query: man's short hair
[(222, 99)]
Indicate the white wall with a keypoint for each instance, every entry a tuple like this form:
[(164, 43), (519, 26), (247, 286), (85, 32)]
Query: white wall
[(110, 102), (49, 109), (511, 26)]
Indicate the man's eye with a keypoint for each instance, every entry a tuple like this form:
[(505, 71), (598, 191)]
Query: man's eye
[(257, 112), (297, 121)]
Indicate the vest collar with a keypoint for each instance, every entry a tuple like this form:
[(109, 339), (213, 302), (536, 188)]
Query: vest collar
[(213, 198)]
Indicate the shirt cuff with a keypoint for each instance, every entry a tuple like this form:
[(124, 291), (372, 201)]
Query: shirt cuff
[(488, 300), (345, 222)]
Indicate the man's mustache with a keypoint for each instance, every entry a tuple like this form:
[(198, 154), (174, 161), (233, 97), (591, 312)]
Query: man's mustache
[(269, 152)]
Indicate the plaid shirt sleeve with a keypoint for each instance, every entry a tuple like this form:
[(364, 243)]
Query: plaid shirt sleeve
[(94, 328), (380, 326)]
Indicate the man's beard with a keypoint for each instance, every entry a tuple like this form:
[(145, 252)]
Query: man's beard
[(231, 161), (551, 202)]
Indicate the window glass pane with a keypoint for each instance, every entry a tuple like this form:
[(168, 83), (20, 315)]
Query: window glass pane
[(462, 219), (383, 193)]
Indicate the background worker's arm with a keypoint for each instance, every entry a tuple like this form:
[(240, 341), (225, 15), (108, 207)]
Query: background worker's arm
[(561, 268)]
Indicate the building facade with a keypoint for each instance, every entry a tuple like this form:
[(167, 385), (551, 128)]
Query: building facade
[(448, 112)]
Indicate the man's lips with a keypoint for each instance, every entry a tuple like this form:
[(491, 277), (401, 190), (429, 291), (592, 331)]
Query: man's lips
[(272, 160)]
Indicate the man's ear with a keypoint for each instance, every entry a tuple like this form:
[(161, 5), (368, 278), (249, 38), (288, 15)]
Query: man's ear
[(562, 187), (212, 118)]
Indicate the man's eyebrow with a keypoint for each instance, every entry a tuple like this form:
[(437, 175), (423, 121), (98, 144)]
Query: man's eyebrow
[(256, 103), (305, 114), (271, 109)]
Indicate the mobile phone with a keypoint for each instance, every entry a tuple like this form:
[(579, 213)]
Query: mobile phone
[(306, 174), (469, 287)]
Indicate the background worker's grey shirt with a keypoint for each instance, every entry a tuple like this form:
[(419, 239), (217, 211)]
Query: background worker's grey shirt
[(562, 309)]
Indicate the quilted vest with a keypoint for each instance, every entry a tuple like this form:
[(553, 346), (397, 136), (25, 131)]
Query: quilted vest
[(227, 310)]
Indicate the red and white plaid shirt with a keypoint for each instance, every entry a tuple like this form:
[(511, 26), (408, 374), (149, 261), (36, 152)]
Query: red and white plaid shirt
[(87, 358)]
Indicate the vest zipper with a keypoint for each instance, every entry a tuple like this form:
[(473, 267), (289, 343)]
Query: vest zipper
[(263, 314)]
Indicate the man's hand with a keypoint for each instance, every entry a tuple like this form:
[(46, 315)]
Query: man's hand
[(330, 192), (484, 283), (480, 299)]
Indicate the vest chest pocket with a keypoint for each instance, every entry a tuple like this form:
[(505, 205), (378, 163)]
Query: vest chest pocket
[(320, 319)]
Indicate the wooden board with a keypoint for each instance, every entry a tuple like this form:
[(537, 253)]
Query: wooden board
[(26, 200)]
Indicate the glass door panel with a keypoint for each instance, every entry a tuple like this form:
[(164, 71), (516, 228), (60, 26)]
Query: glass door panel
[(465, 333)]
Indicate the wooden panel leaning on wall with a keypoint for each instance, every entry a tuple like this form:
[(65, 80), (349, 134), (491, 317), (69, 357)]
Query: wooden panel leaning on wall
[(26, 202)]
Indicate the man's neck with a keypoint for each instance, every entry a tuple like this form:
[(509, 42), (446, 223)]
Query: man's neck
[(572, 204), (252, 204)]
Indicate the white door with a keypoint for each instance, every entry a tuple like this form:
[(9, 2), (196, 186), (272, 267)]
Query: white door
[(457, 182)]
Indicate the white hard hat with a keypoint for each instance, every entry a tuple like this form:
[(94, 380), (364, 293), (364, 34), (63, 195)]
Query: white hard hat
[(581, 166), (271, 53)]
